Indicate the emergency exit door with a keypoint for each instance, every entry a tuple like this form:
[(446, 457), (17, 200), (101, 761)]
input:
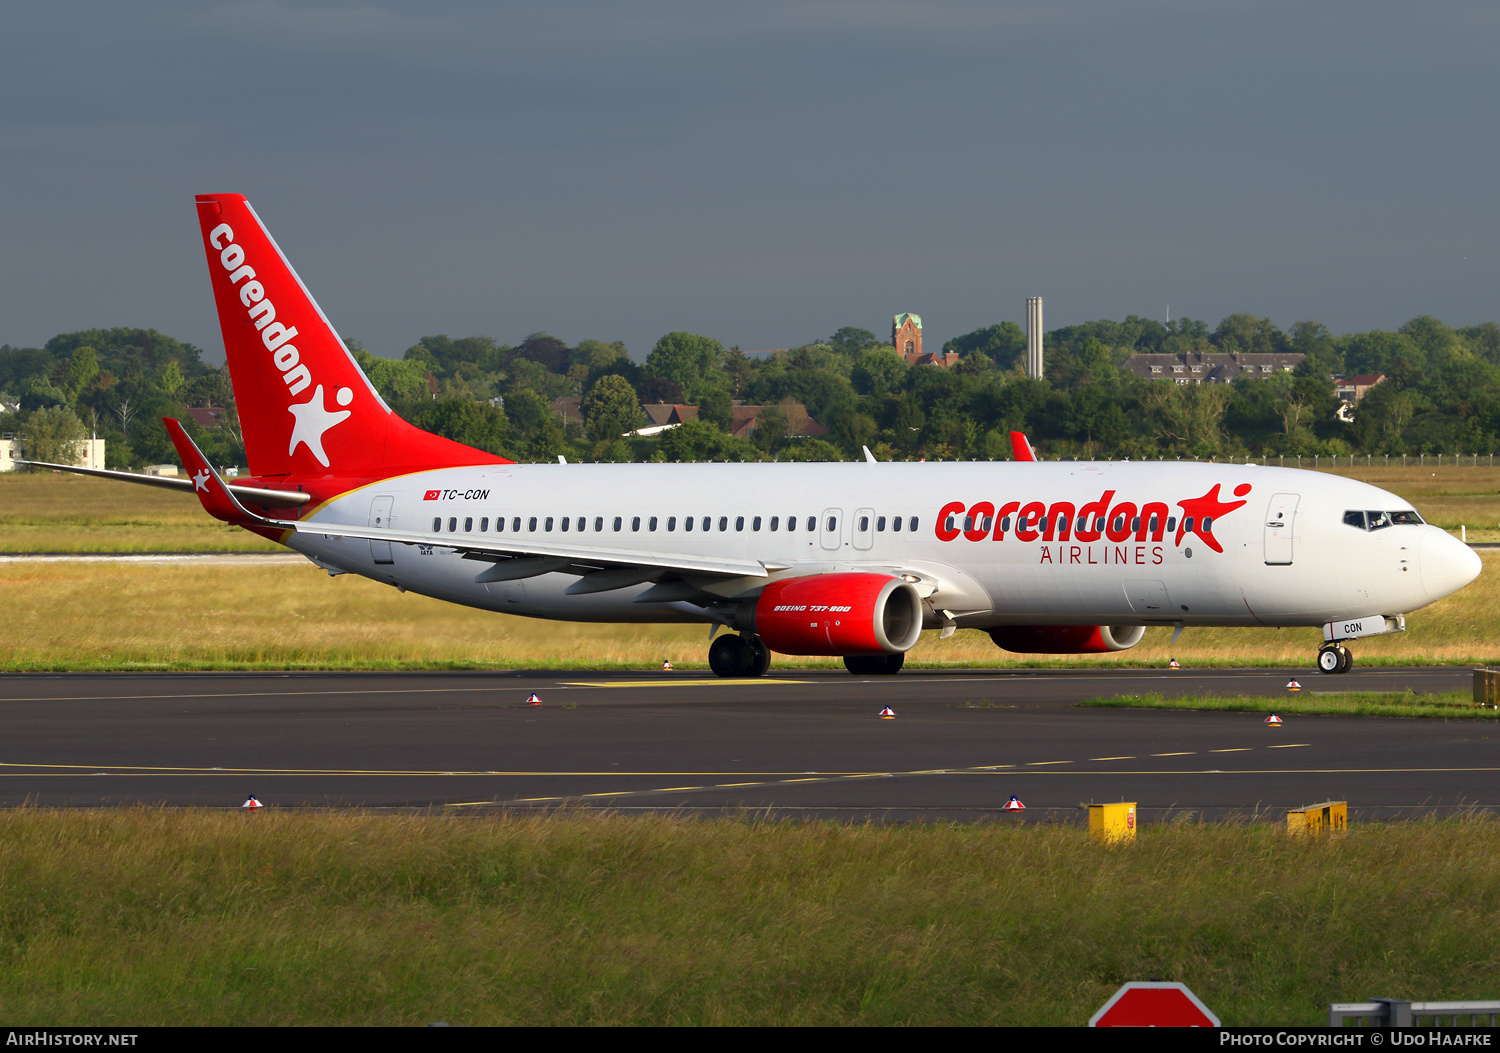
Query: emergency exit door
[(831, 528), (1280, 517)]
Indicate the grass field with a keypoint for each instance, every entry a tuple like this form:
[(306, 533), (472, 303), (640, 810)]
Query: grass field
[(141, 917), (55, 512), (223, 615), (1458, 704)]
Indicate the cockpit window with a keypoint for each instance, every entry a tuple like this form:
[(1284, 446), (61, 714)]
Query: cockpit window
[(1374, 520)]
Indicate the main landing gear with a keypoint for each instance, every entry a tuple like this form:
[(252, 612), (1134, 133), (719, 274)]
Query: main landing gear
[(738, 656), (1334, 658), (874, 664)]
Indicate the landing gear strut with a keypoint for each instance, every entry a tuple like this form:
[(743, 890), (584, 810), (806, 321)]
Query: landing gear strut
[(1334, 658), (874, 664), (738, 656)]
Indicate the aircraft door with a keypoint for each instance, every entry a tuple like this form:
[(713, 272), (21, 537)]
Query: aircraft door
[(1279, 527), (864, 528), (380, 516), (830, 526)]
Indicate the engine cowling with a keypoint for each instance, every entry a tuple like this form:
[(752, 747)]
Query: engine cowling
[(838, 614), (1067, 639)]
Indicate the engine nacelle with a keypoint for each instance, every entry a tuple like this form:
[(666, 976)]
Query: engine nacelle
[(1067, 639), (837, 614)]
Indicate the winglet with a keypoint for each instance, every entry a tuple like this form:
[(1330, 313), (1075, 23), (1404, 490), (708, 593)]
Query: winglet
[(1020, 447), (870, 457), (211, 490)]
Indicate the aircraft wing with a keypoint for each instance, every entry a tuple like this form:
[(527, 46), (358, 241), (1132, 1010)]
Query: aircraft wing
[(528, 556), (288, 498)]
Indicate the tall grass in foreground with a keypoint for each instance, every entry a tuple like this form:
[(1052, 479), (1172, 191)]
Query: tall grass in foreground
[(67, 615), (1459, 705), (184, 917)]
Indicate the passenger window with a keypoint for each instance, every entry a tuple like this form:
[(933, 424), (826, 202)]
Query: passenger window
[(687, 522), (896, 523), (968, 523), (707, 522), (1082, 524), (515, 524), (948, 523), (1187, 524), (452, 524), (437, 526), (1171, 523), (988, 522), (1135, 523), (791, 523), (635, 522), (581, 524), (618, 521), (833, 524), (739, 522), (671, 523), (879, 524), (755, 523), (1041, 524), (1005, 525), (468, 524), (1208, 523), (1154, 522), (651, 524), (775, 520), (864, 523), (812, 523), (484, 524), (599, 525), (549, 523), (564, 524), (912, 526), (723, 524), (1354, 518)]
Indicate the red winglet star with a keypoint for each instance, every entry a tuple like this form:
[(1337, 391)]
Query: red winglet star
[(1207, 508)]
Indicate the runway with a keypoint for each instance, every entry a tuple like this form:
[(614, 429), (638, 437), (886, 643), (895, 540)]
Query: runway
[(793, 744)]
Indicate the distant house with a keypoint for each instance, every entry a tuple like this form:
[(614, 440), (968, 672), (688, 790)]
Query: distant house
[(12, 449), (1210, 367), (568, 409), (906, 338), (663, 416), (205, 416), (1352, 389), (799, 425)]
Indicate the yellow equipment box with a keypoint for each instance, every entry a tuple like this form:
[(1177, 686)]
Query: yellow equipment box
[(1330, 817), (1112, 822)]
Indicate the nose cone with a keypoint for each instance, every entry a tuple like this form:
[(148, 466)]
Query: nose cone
[(1447, 564)]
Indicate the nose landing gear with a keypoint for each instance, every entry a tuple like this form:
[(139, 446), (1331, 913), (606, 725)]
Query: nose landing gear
[(738, 656), (1334, 658)]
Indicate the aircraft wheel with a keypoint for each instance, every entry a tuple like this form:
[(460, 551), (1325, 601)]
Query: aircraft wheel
[(1347, 659), (730, 656), (760, 659), (1329, 659), (874, 664)]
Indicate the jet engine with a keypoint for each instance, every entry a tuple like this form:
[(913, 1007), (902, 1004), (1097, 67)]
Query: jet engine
[(836, 614), (1067, 639)]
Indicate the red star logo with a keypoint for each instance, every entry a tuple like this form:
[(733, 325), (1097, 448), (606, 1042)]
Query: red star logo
[(1209, 508)]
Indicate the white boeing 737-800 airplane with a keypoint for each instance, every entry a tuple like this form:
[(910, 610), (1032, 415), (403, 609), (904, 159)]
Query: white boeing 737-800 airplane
[(851, 560)]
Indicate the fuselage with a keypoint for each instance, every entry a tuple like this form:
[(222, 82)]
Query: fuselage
[(1039, 543)]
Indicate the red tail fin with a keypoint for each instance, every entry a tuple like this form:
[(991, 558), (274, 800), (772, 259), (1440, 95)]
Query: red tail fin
[(305, 406), (1020, 447)]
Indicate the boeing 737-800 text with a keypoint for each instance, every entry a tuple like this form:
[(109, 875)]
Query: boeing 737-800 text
[(852, 560)]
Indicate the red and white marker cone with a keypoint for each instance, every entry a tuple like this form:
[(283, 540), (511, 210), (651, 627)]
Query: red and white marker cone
[(887, 713), (1274, 721), (1173, 664), (1292, 685), (251, 802), (533, 699), (1013, 805), (666, 664)]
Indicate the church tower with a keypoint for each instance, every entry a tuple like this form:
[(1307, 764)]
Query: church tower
[(906, 335)]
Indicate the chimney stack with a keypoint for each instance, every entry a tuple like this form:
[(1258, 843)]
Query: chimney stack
[(1034, 337)]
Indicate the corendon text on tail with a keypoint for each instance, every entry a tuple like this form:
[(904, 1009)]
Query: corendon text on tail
[(852, 560)]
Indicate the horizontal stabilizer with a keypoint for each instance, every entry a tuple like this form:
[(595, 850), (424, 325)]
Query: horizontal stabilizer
[(284, 498)]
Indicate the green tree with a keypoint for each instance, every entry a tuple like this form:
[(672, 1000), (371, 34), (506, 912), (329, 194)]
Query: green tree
[(82, 370), (403, 381), (170, 379), (851, 341), (687, 360), (610, 409), (476, 424), (54, 434)]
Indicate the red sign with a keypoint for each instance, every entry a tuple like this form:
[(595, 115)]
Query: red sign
[(1154, 1004), (432, 495)]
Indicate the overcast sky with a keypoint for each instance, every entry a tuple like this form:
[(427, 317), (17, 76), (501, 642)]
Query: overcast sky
[(760, 172)]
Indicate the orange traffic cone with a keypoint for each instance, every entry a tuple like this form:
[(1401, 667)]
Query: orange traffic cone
[(1013, 805), (1173, 664), (887, 713), (1292, 685), (533, 699), (251, 802), (666, 664), (1273, 721)]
